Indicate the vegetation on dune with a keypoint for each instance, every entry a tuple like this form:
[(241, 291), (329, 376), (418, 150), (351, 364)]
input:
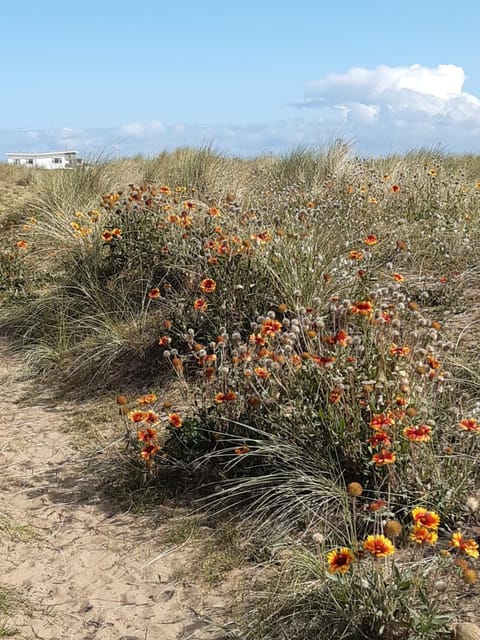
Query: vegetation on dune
[(280, 331)]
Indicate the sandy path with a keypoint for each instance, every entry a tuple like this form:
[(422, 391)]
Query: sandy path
[(88, 572)]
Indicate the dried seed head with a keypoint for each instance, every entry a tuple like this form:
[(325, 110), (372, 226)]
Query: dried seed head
[(354, 489), (392, 528)]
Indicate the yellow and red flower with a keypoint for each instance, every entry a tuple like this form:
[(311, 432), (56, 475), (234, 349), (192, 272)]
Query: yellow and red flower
[(469, 424), (208, 285), (380, 438), (137, 416), (261, 372), (418, 433), (355, 255), (149, 451), (379, 546), (428, 519), (151, 417), (270, 327), (381, 421), (200, 304), (147, 398), (339, 560), (401, 352), (362, 308), (423, 535), (154, 294), (147, 435), (384, 458), (175, 420), (469, 546), (371, 240)]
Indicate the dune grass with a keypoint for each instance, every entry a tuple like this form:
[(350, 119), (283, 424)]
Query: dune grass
[(296, 335)]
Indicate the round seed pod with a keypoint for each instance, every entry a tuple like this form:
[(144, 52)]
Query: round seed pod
[(354, 489), (392, 528), (121, 400)]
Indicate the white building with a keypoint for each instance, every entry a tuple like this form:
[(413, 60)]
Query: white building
[(50, 160)]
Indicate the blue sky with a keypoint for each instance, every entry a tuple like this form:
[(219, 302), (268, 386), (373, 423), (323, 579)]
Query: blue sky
[(248, 77)]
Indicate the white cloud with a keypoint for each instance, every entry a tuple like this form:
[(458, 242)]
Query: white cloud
[(409, 106)]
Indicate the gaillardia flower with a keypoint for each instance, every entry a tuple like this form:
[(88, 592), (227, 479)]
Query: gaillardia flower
[(418, 433), (339, 560), (428, 519), (208, 285), (379, 546)]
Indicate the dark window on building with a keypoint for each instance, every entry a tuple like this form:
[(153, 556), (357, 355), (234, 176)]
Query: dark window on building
[(57, 160)]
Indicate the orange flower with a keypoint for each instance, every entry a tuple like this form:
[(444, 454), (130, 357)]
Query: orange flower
[(398, 277), (428, 519), (376, 505), (322, 361), (208, 285), (116, 233), (355, 255), (469, 547), (340, 338), (151, 417), (147, 435), (154, 294), (137, 416), (148, 452), (418, 433), (229, 396), (362, 308), (200, 305), (381, 421), (147, 398), (339, 560), (270, 327), (175, 420), (383, 458), (22, 244), (371, 240), (261, 372), (107, 236), (423, 535), (379, 546), (469, 424), (395, 188), (164, 340), (335, 395), (433, 363), (240, 451), (395, 350), (214, 212), (380, 438)]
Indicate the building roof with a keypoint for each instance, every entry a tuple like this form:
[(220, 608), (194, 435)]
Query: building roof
[(46, 154)]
